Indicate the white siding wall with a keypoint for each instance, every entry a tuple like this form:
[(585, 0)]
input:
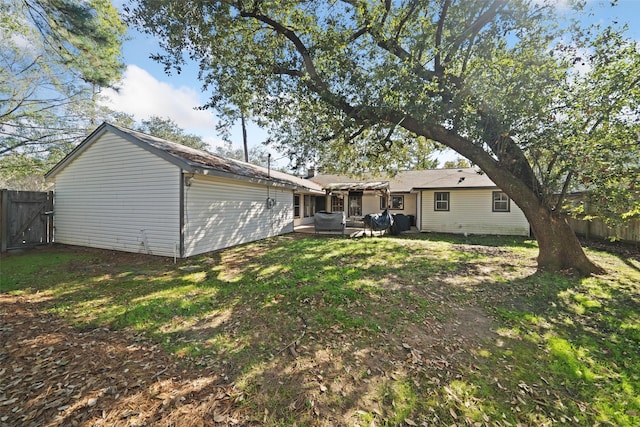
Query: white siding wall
[(410, 207), (419, 211), (470, 211), (116, 195), (220, 213)]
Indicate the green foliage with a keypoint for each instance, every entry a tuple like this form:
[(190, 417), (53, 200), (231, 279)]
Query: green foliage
[(54, 58), (86, 36), (458, 163), (257, 155), (592, 145), (23, 172), (519, 88), (167, 129)]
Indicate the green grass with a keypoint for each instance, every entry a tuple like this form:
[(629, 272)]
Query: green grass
[(423, 329)]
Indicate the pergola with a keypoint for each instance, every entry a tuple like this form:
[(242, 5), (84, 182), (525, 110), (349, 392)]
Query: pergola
[(341, 189)]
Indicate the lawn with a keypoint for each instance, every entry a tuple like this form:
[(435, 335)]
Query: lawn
[(413, 330)]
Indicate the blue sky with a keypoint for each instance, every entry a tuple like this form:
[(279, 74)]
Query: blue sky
[(146, 90)]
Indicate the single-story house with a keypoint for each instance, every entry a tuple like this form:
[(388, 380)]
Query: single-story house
[(437, 200), (125, 190)]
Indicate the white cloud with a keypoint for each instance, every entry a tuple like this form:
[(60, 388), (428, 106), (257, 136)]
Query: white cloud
[(142, 95)]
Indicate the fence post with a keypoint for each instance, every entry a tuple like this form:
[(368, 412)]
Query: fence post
[(4, 220), (50, 213)]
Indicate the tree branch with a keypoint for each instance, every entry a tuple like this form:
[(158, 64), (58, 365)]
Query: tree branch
[(292, 37), (315, 81), (476, 26), (405, 19), (563, 193), (287, 72), (514, 177), (355, 36), (439, 69), (612, 106), (393, 46)]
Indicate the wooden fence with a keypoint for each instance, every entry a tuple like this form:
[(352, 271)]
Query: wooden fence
[(26, 219), (597, 229)]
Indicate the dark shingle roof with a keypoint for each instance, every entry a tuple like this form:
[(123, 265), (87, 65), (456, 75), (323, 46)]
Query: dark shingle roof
[(406, 181), (191, 159)]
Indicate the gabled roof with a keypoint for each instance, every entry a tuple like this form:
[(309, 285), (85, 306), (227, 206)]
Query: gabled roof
[(407, 181), (191, 160)]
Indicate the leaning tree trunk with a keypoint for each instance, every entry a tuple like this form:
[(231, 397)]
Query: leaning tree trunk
[(559, 248)]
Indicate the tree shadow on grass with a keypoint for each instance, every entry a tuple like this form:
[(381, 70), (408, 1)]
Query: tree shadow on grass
[(240, 315), (583, 343), (319, 330), (474, 239)]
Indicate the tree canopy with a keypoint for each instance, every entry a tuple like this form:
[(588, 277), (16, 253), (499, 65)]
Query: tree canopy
[(257, 154), (168, 129), (55, 55), (543, 106), (458, 163)]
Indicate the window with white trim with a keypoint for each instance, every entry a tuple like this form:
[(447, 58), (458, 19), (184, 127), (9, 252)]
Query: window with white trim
[(441, 201), (501, 202)]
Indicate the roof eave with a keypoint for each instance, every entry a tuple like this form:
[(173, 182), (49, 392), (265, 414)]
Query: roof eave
[(480, 187), (260, 181)]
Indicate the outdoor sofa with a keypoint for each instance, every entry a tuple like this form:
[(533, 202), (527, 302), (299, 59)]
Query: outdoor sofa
[(329, 221)]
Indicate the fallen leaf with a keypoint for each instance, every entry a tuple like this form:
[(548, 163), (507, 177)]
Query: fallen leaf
[(453, 413)]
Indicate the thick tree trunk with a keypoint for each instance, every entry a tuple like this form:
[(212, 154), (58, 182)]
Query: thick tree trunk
[(559, 248)]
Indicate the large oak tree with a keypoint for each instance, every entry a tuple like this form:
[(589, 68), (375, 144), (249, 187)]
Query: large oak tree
[(540, 105)]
